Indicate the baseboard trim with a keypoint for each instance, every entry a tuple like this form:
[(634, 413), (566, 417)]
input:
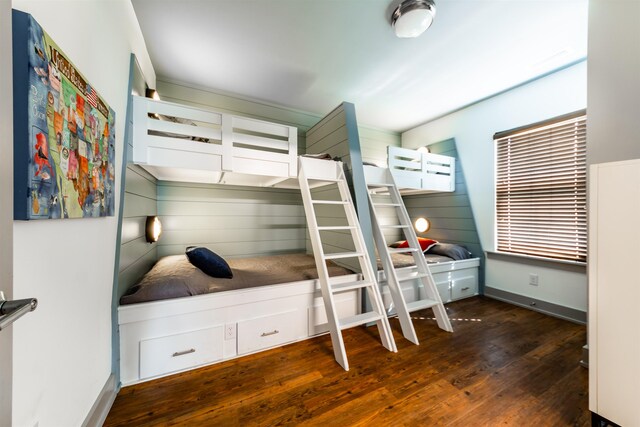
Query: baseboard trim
[(100, 409), (534, 304)]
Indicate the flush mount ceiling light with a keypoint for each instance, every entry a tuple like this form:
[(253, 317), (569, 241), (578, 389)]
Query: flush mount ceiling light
[(413, 17)]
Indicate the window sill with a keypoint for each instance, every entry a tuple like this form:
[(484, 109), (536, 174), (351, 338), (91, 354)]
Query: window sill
[(535, 258)]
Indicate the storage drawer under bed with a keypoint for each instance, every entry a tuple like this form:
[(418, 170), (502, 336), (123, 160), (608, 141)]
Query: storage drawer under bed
[(173, 353), (270, 331)]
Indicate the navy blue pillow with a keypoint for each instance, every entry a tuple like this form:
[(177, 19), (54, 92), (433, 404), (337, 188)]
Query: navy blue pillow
[(209, 262)]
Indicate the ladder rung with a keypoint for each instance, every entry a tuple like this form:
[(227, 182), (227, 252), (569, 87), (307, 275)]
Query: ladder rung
[(380, 184), (412, 276), (347, 286), (421, 305), (343, 255), (394, 226), (386, 205), (359, 319), (318, 178), (401, 250), (329, 202), (336, 227)]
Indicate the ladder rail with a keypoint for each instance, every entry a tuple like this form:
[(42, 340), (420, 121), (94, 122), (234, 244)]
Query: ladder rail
[(323, 274), (427, 290), (365, 264), (392, 278), (369, 282)]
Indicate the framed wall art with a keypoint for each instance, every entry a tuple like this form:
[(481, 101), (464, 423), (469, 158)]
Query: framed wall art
[(64, 132)]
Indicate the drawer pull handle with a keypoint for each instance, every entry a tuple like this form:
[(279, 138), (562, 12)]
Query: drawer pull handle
[(182, 353), (266, 334), (466, 288)]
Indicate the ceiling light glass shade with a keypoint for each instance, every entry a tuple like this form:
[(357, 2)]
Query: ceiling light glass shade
[(413, 17)]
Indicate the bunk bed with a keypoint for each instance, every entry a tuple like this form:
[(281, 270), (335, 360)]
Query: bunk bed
[(215, 320), (417, 172), (223, 320)]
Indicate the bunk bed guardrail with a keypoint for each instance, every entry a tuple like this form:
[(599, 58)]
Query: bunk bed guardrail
[(171, 135), (412, 169)]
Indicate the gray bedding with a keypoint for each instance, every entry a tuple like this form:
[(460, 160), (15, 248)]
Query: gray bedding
[(406, 260), (175, 277)]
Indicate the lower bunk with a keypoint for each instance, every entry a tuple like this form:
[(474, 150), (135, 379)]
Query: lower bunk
[(270, 301), (454, 279), (163, 337)]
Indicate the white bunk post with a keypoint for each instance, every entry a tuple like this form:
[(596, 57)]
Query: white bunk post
[(140, 119), (428, 293), (293, 151), (332, 172), (227, 142)]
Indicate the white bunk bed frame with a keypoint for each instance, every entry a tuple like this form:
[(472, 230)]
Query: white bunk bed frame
[(175, 142), (165, 337), (190, 144), (419, 172)]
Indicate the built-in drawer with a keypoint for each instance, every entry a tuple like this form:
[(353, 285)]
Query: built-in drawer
[(181, 351), (464, 287), (270, 331)]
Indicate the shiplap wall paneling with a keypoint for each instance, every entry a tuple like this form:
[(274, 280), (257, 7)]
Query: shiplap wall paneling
[(374, 143), (450, 214), (137, 256), (233, 221)]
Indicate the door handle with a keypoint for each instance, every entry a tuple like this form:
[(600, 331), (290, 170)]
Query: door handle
[(10, 311)]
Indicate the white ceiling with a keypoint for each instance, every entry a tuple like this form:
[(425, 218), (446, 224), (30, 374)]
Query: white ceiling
[(313, 54)]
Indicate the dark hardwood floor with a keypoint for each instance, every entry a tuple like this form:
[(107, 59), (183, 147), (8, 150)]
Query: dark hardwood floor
[(503, 365)]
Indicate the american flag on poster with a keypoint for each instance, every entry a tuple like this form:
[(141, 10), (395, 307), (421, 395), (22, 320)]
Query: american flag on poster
[(92, 96)]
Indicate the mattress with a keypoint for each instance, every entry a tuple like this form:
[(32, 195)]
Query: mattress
[(175, 277), (406, 260)]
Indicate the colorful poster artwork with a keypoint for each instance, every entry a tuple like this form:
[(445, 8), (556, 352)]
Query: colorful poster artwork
[(72, 137)]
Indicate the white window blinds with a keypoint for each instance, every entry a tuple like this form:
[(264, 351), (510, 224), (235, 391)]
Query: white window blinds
[(541, 189)]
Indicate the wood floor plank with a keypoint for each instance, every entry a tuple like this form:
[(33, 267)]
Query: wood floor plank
[(502, 365)]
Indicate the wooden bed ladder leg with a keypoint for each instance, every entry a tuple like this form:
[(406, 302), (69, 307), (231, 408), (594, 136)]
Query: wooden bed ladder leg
[(429, 297), (307, 172)]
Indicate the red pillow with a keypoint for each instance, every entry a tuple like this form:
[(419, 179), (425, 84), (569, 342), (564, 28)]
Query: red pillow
[(425, 243)]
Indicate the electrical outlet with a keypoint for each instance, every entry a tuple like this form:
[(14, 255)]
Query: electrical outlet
[(229, 331), (533, 279)]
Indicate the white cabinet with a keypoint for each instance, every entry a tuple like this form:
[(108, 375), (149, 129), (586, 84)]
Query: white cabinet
[(180, 351), (614, 291)]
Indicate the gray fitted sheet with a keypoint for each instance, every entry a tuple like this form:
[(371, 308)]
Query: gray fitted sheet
[(406, 260), (175, 277)]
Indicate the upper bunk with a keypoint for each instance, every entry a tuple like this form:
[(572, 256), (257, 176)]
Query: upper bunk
[(417, 171), (177, 142)]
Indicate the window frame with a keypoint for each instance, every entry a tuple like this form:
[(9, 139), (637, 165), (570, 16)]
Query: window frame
[(537, 130)]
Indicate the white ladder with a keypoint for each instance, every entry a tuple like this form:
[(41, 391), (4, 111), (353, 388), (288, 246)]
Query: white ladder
[(311, 172), (380, 180)]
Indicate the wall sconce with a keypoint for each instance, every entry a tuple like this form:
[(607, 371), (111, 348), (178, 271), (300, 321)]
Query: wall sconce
[(422, 225), (153, 229)]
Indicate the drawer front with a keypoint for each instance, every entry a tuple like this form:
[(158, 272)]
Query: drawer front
[(464, 287), (270, 331), (181, 351)]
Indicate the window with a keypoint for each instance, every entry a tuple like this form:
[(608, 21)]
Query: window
[(541, 189)]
